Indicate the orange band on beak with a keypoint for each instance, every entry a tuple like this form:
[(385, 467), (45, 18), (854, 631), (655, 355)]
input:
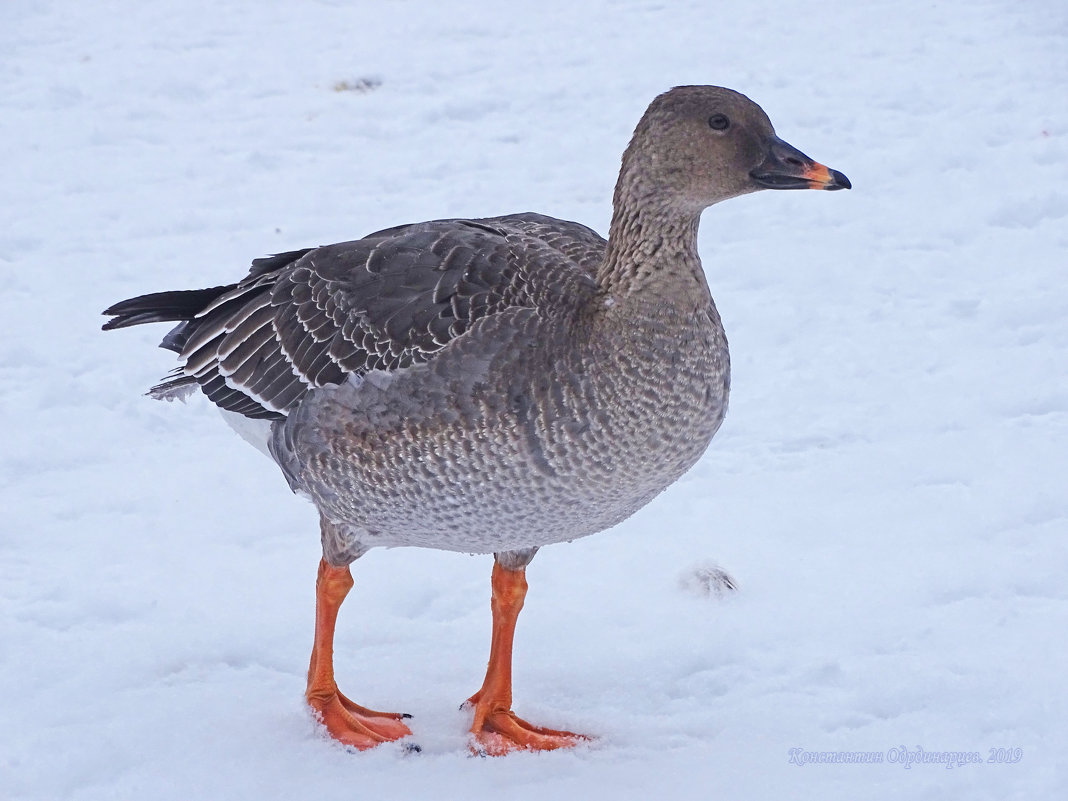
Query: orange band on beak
[(818, 176)]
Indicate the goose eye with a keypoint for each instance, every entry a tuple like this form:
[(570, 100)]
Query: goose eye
[(719, 122)]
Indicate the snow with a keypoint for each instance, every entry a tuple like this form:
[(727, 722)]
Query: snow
[(888, 490)]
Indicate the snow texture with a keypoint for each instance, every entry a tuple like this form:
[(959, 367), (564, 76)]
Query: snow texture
[(888, 491)]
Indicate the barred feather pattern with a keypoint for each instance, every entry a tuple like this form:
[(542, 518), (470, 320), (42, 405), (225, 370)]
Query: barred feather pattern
[(311, 318)]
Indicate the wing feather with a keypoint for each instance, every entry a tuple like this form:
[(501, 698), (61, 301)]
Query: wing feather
[(309, 318)]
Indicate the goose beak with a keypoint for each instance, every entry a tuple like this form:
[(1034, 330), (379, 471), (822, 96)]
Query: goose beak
[(786, 167)]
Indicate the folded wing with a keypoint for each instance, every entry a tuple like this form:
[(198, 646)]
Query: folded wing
[(310, 318)]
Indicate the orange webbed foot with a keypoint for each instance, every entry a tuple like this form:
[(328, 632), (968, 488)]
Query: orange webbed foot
[(355, 725), (497, 732)]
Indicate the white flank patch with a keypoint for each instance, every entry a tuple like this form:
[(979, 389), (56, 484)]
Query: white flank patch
[(255, 432)]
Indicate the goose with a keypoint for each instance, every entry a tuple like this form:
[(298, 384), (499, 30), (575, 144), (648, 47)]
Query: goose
[(486, 385)]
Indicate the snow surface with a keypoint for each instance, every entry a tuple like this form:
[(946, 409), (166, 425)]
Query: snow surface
[(889, 490)]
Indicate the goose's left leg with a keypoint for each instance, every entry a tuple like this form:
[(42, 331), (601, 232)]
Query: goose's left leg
[(496, 729)]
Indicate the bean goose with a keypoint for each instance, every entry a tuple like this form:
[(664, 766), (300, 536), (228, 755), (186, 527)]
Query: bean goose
[(486, 385)]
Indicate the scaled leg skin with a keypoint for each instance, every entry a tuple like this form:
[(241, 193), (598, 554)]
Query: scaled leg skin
[(346, 721), (496, 729)]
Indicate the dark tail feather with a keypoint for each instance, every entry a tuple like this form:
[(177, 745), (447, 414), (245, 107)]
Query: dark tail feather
[(161, 307), (180, 305), (184, 304)]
